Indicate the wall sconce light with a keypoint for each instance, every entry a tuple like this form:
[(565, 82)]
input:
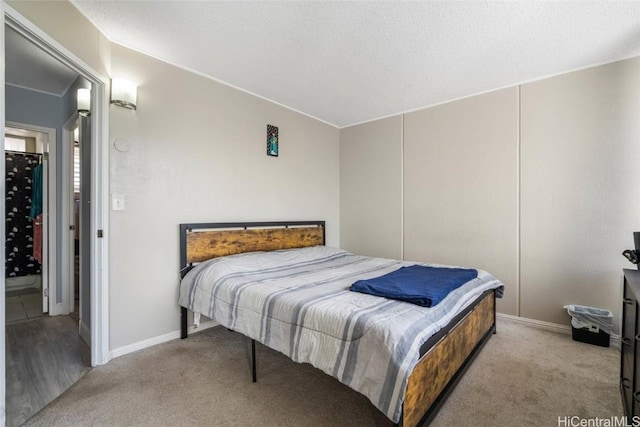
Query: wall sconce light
[(124, 93), (84, 102)]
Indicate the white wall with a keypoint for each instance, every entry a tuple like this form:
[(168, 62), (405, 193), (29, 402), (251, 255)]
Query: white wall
[(198, 154), (370, 195)]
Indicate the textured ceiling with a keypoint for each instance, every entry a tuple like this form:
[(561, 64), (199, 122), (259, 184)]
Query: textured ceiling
[(349, 62), (26, 65)]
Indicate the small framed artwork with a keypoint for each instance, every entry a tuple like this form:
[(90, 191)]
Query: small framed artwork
[(272, 141)]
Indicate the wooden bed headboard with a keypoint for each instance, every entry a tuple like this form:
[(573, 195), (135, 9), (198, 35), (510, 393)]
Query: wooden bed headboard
[(202, 241)]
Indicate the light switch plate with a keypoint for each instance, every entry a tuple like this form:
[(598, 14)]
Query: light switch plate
[(117, 202)]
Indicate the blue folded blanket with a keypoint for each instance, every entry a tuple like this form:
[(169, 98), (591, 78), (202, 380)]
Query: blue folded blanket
[(417, 284)]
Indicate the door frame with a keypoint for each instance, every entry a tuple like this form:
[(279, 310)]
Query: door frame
[(3, 236), (67, 260), (49, 229), (100, 353)]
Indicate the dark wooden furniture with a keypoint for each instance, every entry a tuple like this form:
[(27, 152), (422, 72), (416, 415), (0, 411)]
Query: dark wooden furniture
[(443, 358), (630, 345)]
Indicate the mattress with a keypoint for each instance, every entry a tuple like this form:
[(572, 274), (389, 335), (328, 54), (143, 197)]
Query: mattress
[(298, 302)]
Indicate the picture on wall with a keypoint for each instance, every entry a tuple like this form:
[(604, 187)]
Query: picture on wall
[(272, 141)]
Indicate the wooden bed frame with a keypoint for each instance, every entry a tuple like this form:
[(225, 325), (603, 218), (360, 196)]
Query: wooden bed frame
[(443, 358)]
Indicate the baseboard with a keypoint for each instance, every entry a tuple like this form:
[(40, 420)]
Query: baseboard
[(563, 329), (56, 310), (130, 348), (85, 333)]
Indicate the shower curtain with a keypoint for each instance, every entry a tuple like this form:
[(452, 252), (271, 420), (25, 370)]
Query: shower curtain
[(19, 226)]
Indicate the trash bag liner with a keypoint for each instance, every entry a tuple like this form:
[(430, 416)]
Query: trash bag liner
[(590, 317)]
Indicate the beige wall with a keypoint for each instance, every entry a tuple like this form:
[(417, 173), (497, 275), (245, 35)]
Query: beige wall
[(197, 153), (537, 184), (580, 196), (371, 188), (460, 186)]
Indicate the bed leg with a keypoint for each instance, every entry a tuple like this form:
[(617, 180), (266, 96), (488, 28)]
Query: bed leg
[(253, 360), (196, 320), (183, 323)]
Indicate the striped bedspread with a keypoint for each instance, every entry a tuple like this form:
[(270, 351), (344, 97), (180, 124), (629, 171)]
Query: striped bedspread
[(298, 302)]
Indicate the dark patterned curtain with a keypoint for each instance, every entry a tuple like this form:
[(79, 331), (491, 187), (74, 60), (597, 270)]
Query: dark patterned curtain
[(19, 227)]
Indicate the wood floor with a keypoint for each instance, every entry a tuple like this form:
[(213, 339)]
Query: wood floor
[(44, 358)]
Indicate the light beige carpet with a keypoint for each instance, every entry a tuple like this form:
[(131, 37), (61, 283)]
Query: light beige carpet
[(523, 376)]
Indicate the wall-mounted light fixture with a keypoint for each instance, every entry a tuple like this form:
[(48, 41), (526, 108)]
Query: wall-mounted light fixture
[(124, 93), (84, 102)]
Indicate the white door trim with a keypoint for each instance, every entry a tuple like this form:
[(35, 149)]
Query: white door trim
[(49, 232), (3, 375), (67, 259), (99, 185)]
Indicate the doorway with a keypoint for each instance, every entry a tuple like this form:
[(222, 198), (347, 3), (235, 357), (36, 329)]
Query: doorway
[(45, 353), (97, 269), (32, 186), (27, 268), (76, 208), (98, 182)]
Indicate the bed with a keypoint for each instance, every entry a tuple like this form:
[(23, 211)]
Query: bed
[(278, 284)]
